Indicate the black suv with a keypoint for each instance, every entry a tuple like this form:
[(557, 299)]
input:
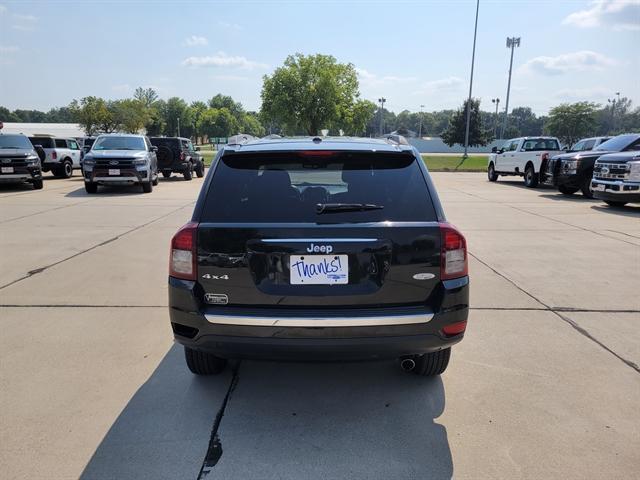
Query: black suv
[(318, 249), (573, 171), (178, 155), (19, 160)]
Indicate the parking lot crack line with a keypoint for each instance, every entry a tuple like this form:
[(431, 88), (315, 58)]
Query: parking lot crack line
[(47, 211), (101, 244), (214, 449), (565, 319)]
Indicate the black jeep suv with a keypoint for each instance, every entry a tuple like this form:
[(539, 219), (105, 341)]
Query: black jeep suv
[(573, 171), (318, 249), (178, 155)]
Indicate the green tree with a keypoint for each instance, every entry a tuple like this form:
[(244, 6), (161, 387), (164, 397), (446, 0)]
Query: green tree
[(93, 114), (455, 132), (197, 109), (218, 122), (354, 120), (251, 125), (155, 124), (572, 121), (7, 115), (309, 93), (225, 101), (129, 115), (146, 96), (176, 111)]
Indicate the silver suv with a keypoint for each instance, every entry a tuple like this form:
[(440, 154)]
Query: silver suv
[(118, 159), (19, 161)]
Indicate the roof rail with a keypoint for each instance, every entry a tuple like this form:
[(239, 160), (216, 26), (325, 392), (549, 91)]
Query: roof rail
[(397, 139)]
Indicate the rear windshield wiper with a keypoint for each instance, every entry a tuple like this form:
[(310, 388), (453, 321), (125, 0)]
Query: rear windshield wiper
[(345, 207)]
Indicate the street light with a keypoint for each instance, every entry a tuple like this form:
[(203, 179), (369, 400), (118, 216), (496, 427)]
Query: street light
[(420, 129), (613, 110), (473, 58), (512, 43), (495, 125), (381, 100)]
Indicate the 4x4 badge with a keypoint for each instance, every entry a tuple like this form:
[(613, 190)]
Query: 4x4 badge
[(208, 276)]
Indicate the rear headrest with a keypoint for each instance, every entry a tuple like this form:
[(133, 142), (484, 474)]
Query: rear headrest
[(275, 179), (352, 176)]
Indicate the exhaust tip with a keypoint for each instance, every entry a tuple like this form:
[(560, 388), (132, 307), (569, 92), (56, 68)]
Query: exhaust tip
[(407, 364)]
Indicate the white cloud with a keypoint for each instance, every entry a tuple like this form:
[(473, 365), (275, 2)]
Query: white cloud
[(447, 84), (230, 26), (4, 49), (369, 79), (617, 14), (2, 9), (221, 59), (25, 23), (195, 41), (569, 62), (592, 94)]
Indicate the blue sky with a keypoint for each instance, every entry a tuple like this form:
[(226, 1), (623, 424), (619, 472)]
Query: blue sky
[(411, 52)]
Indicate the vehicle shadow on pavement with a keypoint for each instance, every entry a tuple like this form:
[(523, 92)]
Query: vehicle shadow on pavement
[(576, 197), (282, 420), (626, 211), (108, 191), (338, 420)]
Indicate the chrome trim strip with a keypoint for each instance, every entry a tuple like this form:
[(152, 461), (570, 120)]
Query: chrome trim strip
[(619, 183), (116, 179), (307, 240), (14, 175), (319, 321)]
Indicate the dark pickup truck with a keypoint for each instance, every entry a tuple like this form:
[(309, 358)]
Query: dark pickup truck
[(318, 249), (178, 155), (573, 171)]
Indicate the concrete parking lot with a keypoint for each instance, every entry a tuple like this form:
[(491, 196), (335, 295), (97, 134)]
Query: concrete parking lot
[(546, 383)]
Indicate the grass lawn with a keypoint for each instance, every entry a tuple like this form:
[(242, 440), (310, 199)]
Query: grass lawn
[(435, 163), (446, 163)]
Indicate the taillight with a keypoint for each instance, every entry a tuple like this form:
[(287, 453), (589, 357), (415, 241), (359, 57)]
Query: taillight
[(54, 155), (455, 328), (182, 156), (182, 262), (317, 153), (545, 156), (453, 253)]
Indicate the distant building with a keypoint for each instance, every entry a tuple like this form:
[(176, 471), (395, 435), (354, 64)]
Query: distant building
[(72, 130)]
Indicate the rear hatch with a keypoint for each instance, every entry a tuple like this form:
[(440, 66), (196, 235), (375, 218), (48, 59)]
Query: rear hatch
[(318, 229)]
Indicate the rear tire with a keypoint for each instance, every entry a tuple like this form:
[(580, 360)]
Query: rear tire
[(431, 364), (565, 190), (187, 173), (66, 171), (613, 203), (585, 185), (202, 363), (37, 184), (531, 178), (491, 173), (91, 187), (200, 169)]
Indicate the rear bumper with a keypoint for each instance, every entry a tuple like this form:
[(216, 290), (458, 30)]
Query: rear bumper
[(321, 334)]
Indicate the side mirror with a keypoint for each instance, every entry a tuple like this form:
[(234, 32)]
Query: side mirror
[(37, 146), (197, 149), (154, 148), (494, 150)]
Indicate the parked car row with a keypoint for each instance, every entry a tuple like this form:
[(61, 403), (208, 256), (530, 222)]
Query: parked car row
[(601, 167), (110, 159)]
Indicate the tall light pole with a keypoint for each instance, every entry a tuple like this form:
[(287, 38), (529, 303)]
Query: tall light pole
[(512, 43), (473, 58), (381, 100), (495, 125), (178, 126), (420, 129), (613, 110)]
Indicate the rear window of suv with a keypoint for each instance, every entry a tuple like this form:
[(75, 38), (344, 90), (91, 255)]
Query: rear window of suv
[(539, 144), (287, 188), (45, 142)]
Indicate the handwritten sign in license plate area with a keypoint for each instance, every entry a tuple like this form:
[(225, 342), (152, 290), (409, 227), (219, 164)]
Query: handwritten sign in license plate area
[(319, 269)]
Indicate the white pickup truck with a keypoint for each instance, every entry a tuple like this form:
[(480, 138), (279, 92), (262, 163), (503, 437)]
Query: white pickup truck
[(523, 156)]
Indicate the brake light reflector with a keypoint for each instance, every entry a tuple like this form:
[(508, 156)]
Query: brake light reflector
[(182, 261), (453, 253), (455, 328), (318, 153), (182, 156), (54, 155)]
